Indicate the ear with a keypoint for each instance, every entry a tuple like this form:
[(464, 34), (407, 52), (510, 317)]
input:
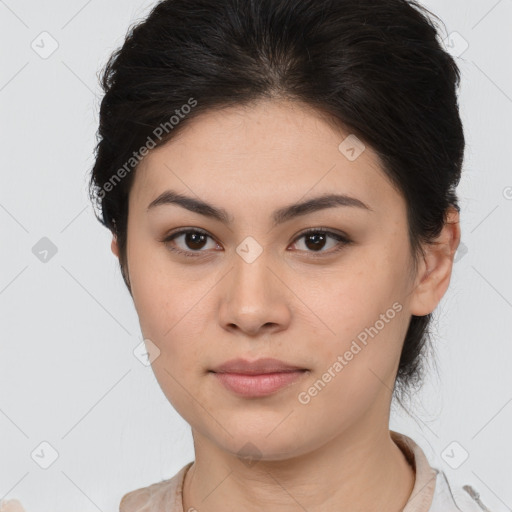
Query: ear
[(114, 247), (435, 269)]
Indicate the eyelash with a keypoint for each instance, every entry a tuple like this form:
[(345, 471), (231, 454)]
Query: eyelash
[(343, 241)]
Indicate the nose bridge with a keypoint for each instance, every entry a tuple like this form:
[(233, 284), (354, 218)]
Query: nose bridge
[(251, 274), (252, 297)]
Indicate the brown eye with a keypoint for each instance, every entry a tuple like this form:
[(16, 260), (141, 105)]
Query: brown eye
[(194, 240), (189, 241), (316, 239)]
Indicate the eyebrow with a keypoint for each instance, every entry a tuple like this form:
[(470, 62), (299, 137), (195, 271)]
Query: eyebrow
[(279, 216)]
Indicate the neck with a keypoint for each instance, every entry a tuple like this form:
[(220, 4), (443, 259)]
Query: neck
[(360, 470)]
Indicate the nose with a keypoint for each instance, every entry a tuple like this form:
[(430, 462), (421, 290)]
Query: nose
[(254, 298)]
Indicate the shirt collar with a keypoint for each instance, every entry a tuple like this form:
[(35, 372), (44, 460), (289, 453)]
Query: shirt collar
[(425, 480)]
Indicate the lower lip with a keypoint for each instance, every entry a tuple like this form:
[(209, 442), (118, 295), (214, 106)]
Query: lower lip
[(258, 385)]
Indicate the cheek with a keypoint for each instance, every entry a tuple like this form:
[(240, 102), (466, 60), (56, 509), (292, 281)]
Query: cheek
[(171, 314), (153, 310), (357, 366), (362, 318), (158, 295), (351, 298)]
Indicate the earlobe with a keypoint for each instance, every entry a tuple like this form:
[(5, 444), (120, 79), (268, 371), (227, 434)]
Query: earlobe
[(435, 271), (114, 247)]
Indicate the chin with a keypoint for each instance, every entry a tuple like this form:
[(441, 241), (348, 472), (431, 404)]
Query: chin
[(265, 441)]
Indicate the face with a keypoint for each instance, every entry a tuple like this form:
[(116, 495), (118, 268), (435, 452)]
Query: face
[(334, 302)]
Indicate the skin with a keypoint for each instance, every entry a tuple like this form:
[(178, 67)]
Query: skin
[(334, 453)]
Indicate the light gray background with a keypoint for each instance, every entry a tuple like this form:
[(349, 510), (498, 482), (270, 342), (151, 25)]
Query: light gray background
[(68, 375)]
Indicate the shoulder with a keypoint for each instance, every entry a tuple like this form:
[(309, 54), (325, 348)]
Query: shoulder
[(432, 491), (450, 497), (154, 497), (11, 506)]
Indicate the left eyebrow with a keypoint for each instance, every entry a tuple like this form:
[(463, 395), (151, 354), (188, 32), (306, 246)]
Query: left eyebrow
[(317, 203), (279, 216)]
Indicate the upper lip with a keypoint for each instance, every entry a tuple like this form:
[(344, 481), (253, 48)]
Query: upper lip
[(256, 367)]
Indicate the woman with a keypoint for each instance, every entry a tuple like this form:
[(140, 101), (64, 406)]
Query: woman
[(279, 178)]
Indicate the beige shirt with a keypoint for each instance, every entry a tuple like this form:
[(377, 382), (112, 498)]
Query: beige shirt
[(431, 491)]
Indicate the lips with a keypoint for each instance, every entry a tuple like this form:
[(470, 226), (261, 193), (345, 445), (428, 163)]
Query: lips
[(257, 367), (255, 379)]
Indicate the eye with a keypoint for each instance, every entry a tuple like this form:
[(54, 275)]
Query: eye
[(193, 240), (315, 239)]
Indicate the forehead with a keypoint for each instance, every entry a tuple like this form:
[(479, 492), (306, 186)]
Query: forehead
[(265, 152)]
